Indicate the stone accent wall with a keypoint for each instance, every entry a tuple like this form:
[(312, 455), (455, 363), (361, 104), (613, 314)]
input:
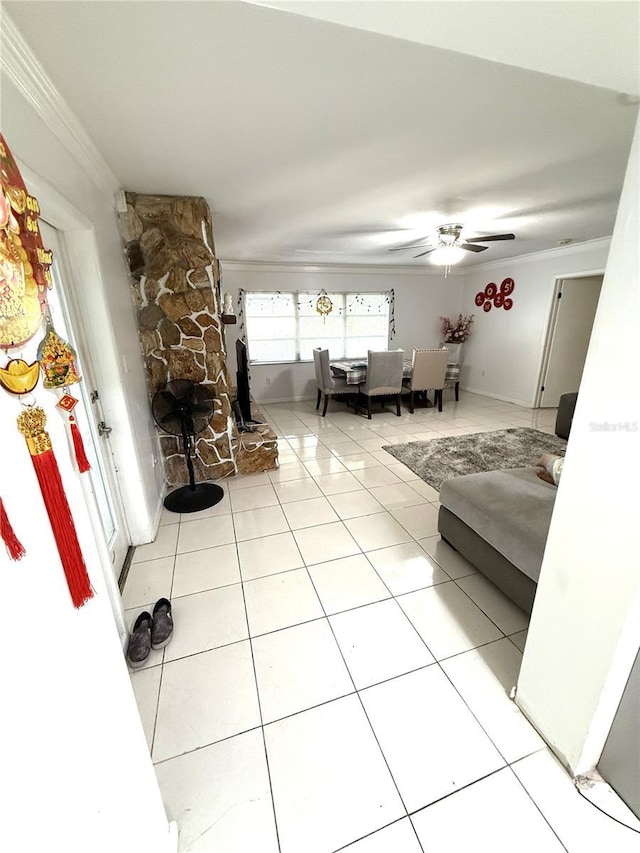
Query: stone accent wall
[(175, 281)]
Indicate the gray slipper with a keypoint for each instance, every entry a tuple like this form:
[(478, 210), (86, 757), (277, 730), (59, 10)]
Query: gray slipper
[(162, 625), (139, 647)]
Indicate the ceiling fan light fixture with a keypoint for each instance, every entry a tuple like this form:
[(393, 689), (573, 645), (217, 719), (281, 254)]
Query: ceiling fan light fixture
[(446, 256)]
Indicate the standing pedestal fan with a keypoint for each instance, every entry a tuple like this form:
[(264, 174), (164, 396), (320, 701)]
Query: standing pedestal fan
[(185, 408)]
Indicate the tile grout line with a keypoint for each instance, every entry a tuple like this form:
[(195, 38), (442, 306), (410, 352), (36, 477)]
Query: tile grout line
[(542, 814), (493, 622), (446, 675), (364, 710), (162, 662), (255, 678), (381, 829)]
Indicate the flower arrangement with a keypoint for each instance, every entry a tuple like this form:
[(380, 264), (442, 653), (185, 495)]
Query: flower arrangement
[(456, 331)]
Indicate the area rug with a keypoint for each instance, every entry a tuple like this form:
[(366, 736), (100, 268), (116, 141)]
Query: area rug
[(442, 458)]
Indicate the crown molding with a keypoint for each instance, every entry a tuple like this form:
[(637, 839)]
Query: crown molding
[(422, 272), (556, 251), (30, 78), (333, 269)]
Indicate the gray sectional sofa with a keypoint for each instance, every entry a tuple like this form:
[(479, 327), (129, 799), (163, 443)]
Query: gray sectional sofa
[(499, 520)]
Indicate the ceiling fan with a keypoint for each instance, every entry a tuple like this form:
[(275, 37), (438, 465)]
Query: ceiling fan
[(450, 246)]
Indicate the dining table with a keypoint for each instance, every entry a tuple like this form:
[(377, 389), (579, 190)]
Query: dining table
[(354, 371)]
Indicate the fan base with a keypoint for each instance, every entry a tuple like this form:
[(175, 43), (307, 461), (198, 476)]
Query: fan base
[(186, 499)]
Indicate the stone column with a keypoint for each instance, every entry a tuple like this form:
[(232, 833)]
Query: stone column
[(175, 281)]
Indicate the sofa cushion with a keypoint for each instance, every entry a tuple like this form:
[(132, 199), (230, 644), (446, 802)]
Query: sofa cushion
[(511, 510)]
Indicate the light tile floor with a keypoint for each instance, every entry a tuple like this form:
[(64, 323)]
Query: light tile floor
[(339, 677)]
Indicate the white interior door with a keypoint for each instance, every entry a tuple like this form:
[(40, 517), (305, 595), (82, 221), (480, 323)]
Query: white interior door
[(88, 412), (571, 331)]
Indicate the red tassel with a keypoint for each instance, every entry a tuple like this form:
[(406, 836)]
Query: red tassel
[(14, 546), (64, 531), (78, 446)]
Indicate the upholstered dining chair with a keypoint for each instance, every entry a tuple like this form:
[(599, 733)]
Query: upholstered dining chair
[(384, 377), (327, 384), (453, 367), (428, 371)]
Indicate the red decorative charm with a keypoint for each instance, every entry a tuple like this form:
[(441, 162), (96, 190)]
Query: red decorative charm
[(507, 286), (498, 300), (490, 290), (480, 298), (487, 306), (68, 403), (507, 304), (78, 447)]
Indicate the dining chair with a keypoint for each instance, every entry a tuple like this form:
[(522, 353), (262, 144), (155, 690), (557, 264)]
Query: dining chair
[(384, 377), (428, 371), (453, 367), (327, 383)]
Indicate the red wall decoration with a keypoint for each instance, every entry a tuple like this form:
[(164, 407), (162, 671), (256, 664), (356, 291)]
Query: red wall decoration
[(491, 297)]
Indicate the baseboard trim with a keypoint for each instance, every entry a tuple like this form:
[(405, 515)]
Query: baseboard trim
[(158, 513), (527, 403), (285, 400)]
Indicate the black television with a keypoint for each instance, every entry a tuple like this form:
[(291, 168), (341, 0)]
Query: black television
[(242, 381)]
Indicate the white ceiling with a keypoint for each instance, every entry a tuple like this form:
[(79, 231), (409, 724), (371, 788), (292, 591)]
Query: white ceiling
[(320, 143), (591, 41)]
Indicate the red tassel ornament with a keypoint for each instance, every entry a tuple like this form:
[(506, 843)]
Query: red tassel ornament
[(14, 546), (68, 403), (31, 424), (78, 446)]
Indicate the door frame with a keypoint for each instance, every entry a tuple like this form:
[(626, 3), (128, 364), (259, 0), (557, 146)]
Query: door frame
[(77, 232), (90, 386), (551, 325)]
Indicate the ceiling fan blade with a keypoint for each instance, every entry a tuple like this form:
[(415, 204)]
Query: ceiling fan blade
[(491, 238), (424, 253), (401, 248), (471, 248)]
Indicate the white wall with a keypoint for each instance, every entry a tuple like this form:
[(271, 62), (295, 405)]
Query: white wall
[(75, 773), (489, 365), (421, 297), (110, 312), (585, 627)]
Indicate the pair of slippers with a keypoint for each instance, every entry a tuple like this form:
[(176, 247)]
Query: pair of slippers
[(150, 631)]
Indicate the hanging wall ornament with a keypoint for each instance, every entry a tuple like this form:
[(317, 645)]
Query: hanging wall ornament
[(24, 262), (31, 423), (507, 286), (324, 305), (18, 377), (14, 547), (67, 404), (491, 297), (58, 361)]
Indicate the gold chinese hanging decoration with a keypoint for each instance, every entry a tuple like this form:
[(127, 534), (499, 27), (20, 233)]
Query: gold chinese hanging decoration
[(24, 280), (324, 305), (58, 362), (24, 262)]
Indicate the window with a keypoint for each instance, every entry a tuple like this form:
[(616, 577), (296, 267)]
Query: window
[(287, 327)]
